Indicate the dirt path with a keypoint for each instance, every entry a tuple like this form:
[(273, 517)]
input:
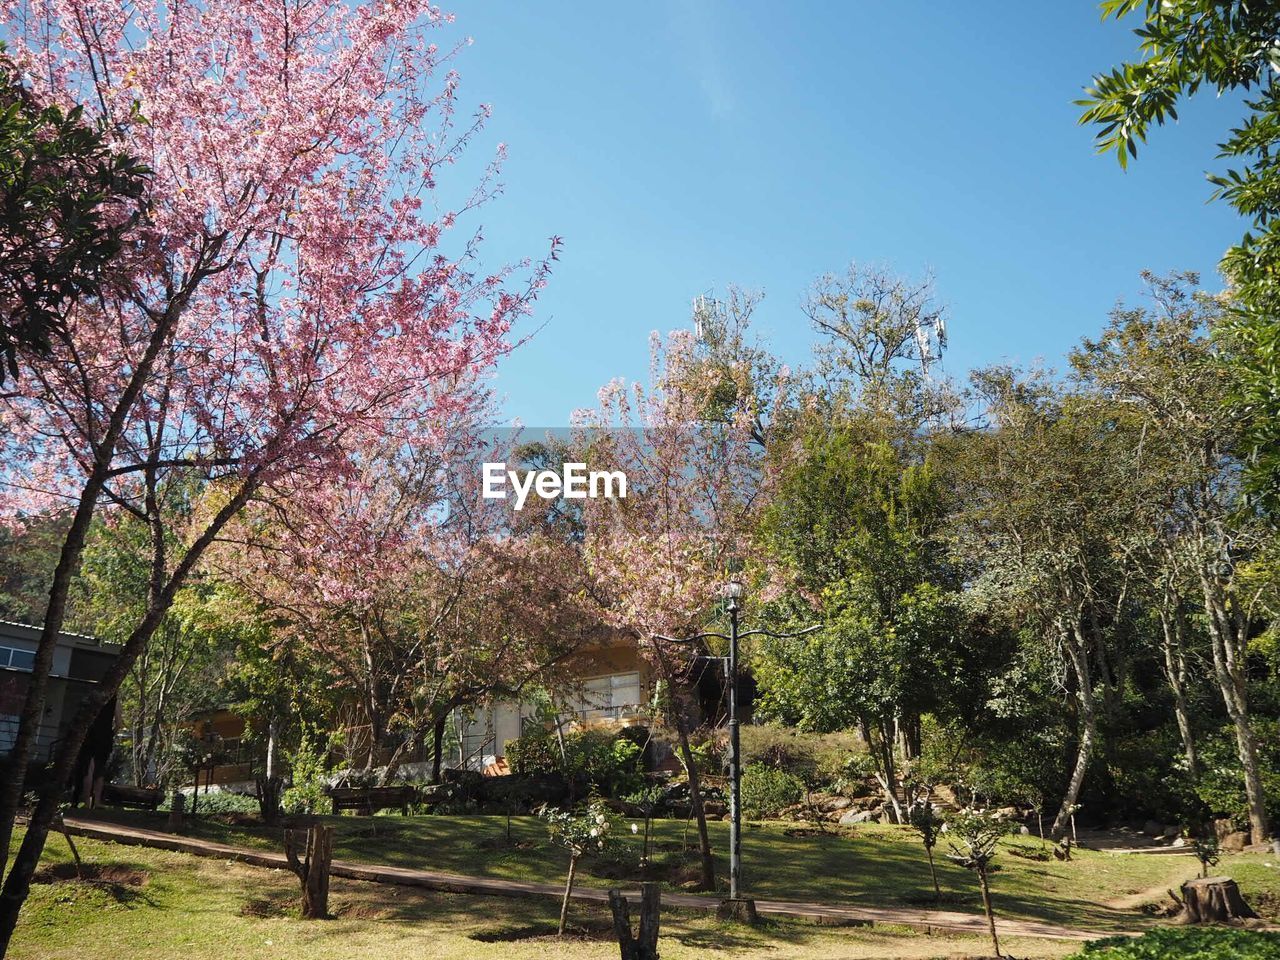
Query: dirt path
[(925, 921), (1177, 876)]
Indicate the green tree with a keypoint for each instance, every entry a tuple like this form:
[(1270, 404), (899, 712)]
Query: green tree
[(1157, 368), (1042, 531), (854, 526), (1228, 46), (68, 200)]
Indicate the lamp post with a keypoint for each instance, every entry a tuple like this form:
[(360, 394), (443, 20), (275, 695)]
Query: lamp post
[(733, 592)]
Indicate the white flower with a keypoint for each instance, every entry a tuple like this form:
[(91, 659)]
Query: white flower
[(635, 828), (595, 832)]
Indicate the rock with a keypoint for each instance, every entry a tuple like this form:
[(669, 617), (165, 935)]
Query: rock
[(1223, 827), (1006, 813), (713, 808), (1153, 828), (1179, 842), (1235, 842), (1171, 832), (841, 803), (857, 816), (1024, 830)]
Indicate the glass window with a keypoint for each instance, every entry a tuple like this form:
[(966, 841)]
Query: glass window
[(18, 659)]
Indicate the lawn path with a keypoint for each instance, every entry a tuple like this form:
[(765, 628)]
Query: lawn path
[(925, 921)]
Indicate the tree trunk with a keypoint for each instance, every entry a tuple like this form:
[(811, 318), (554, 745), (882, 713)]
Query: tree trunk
[(271, 749), (708, 879), (104, 449), (991, 914), (312, 868), (1229, 643), (1175, 671), (933, 872), (1213, 900), (882, 749), (15, 768), (18, 882), (644, 946), (1075, 646), (568, 892), (437, 747)]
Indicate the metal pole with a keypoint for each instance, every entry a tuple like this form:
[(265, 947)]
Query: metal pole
[(735, 758)]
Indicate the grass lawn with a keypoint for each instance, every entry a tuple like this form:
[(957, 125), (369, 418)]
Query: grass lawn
[(872, 865), (169, 905)]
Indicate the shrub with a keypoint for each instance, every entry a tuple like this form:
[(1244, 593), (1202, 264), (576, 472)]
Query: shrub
[(223, 802), (1221, 784), (608, 764), (766, 792), (819, 759), (1187, 943), (310, 778)]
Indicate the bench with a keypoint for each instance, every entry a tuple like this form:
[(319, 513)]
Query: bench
[(121, 795), (367, 800)]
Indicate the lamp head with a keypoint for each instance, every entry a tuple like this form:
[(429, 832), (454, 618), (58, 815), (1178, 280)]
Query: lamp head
[(733, 591)]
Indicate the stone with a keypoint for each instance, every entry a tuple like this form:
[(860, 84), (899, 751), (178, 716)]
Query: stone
[(1179, 842), (1171, 832), (1235, 842), (1223, 827), (857, 816), (1153, 828), (1006, 813), (1024, 830), (841, 803)]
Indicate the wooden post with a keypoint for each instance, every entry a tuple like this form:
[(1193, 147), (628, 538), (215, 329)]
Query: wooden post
[(644, 946), (176, 807), (313, 868), (1213, 900)]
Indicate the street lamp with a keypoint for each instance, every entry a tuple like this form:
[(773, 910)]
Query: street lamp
[(733, 592)]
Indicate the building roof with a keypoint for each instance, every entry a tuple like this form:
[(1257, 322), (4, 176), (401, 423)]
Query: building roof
[(96, 641)]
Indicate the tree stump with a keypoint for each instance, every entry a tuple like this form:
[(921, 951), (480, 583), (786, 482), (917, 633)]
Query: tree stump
[(742, 910), (269, 789), (1213, 900), (312, 867), (645, 946), (177, 807)]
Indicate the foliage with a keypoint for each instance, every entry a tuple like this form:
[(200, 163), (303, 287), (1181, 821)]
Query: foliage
[(972, 836), (69, 199), (767, 791), (1186, 943), (821, 759), (1220, 785), (309, 764), (608, 764), (224, 801), (926, 822), (1207, 851), (1186, 45)]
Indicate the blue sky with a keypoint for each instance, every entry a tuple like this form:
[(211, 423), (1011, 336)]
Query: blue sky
[(679, 147)]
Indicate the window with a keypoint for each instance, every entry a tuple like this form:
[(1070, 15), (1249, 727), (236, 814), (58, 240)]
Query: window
[(16, 658), (611, 696)]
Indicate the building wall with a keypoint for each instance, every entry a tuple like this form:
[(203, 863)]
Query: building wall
[(78, 662), (608, 685)]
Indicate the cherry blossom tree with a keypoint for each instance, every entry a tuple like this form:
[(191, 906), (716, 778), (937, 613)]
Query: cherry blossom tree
[(295, 291), (695, 483), (412, 592)]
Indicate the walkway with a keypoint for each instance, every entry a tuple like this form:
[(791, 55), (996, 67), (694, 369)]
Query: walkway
[(924, 921)]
